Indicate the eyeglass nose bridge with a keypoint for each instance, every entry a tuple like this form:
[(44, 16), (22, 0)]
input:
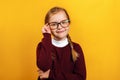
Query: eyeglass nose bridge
[(59, 24)]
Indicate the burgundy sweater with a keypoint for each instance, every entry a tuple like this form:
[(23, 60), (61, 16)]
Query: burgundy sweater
[(59, 61)]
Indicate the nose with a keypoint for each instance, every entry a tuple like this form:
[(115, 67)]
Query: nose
[(59, 26)]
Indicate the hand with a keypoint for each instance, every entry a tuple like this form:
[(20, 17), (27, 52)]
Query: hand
[(46, 29), (43, 75)]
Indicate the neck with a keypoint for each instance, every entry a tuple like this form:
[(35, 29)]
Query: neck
[(60, 43)]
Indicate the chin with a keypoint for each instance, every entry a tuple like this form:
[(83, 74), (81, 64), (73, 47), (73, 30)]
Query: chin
[(61, 36)]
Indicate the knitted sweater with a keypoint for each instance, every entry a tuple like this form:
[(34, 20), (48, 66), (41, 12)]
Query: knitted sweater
[(59, 60)]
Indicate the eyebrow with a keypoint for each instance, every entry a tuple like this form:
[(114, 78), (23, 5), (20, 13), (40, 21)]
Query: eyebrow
[(58, 22)]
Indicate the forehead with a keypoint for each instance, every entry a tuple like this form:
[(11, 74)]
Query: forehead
[(58, 17)]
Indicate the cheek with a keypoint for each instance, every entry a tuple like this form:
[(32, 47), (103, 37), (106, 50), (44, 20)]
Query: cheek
[(67, 29), (53, 31)]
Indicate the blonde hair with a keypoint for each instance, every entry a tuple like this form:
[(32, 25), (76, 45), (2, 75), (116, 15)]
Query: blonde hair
[(53, 11), (74, 53)]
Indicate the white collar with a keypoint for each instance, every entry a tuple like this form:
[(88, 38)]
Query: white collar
[(61, 43)]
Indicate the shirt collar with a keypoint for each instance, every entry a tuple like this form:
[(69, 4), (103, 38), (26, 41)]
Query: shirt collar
[(61, 43)]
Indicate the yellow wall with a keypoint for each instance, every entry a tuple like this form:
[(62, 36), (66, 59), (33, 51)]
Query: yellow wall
[(95, 25)]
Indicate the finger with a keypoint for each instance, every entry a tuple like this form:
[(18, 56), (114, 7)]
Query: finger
[(39, 70), (40, 73), (43, 29), (46, 29), (41, 77), (47, 24)]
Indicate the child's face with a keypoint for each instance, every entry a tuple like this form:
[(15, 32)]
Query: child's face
[(60, 20)]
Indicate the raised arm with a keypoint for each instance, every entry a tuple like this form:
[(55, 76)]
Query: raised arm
[(44, 53)]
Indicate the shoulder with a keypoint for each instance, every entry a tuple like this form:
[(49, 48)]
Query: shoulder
[(77, 47), (79, 50)]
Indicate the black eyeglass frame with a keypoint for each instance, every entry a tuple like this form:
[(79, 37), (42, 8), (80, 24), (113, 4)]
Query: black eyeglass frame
[(60, 23)]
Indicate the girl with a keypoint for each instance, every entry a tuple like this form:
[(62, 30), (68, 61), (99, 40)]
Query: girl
[(58, 58)]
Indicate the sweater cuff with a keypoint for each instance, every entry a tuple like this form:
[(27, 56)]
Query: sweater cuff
[(47, 35)]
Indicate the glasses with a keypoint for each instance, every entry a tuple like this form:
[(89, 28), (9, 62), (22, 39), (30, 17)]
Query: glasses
[(63, 23)]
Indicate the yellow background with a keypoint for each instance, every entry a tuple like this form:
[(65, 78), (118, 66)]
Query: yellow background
[(95, 25)]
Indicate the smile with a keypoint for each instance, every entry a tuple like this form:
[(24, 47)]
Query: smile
[(60, 31)]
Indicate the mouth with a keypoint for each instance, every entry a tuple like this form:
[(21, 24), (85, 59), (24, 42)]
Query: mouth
[(60, 31)]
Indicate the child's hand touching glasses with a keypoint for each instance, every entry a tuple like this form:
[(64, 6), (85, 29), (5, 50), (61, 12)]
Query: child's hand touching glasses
[(46, 29)]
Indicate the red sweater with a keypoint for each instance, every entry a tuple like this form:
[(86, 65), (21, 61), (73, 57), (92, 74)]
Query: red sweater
[(61, 66)]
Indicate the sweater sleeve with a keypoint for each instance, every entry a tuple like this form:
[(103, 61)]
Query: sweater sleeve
[(44, 53), (79, 72)]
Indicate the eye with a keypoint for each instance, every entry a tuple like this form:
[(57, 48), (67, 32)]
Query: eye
[(53, 24), (65, 22)]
